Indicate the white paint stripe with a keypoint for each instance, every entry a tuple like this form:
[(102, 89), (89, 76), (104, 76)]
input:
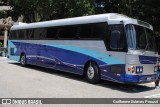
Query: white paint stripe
[(153, 96)]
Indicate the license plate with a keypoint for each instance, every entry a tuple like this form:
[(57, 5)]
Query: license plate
[(149, 78)]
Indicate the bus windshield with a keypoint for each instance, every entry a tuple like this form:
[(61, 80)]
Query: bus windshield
[(140, 38)]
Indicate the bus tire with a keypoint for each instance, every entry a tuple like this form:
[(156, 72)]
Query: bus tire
[(92, 73), (23, 60)]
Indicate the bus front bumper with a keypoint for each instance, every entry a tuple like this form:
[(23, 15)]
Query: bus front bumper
[(137, 79)]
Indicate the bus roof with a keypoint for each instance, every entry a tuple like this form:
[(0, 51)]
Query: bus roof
[(114, 17)]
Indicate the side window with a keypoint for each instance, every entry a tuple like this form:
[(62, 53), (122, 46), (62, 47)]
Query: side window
[(93, 30), (61, 33), (25, 34), (40, 33), (12, 34), (71, 32), (17, 34), (30, 33), (67, 32), (52, 32), (116, 38), (22, 34), (78, 31), (99, 30), (86, 31)]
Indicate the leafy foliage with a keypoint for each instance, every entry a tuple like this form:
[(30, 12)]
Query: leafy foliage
[(41, 10), (1, 44)]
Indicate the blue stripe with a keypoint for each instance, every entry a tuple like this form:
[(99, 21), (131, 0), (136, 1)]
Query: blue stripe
[(105, 58), (148, 59)]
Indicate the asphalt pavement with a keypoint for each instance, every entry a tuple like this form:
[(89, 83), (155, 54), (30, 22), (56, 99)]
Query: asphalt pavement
[(37, 82)]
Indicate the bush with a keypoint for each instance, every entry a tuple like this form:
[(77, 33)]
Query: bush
[(1, 44), (3, 52)]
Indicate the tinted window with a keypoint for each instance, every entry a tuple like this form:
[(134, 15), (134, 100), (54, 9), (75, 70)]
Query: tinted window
[(67, 32), (93, 31), (30, 33), (86, 31), (52, 32), (40, 33), (99, 30), (17, 34), (22, 34), (12, 34), (115, 39)]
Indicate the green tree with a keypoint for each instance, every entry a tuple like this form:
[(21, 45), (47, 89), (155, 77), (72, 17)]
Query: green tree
[(1, 44), (41, 10)]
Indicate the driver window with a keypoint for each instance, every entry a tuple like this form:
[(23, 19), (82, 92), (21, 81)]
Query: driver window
[(117, 41)]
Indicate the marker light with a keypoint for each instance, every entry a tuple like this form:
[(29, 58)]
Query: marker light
[(155, 69), (129, 69), (132, 69), (139, 69)]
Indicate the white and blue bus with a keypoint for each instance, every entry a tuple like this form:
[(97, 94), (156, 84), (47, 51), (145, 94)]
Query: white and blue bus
[(110, 46)]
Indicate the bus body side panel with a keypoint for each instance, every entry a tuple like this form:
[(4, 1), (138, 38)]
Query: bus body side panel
[(72, 57), (12, 50), (68, 56)]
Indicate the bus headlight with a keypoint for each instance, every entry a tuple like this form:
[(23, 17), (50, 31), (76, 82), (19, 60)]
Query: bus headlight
[(139, 69)]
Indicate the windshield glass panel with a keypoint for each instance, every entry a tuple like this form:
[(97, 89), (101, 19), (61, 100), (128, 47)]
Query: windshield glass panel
[(151, 40), (140, 38)]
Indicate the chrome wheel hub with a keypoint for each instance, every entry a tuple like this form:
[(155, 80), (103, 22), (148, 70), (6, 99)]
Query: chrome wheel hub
[(90, 72), (23, 60)]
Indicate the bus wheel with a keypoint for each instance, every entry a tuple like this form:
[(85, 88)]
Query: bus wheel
[(92, 73), (23, 60)]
